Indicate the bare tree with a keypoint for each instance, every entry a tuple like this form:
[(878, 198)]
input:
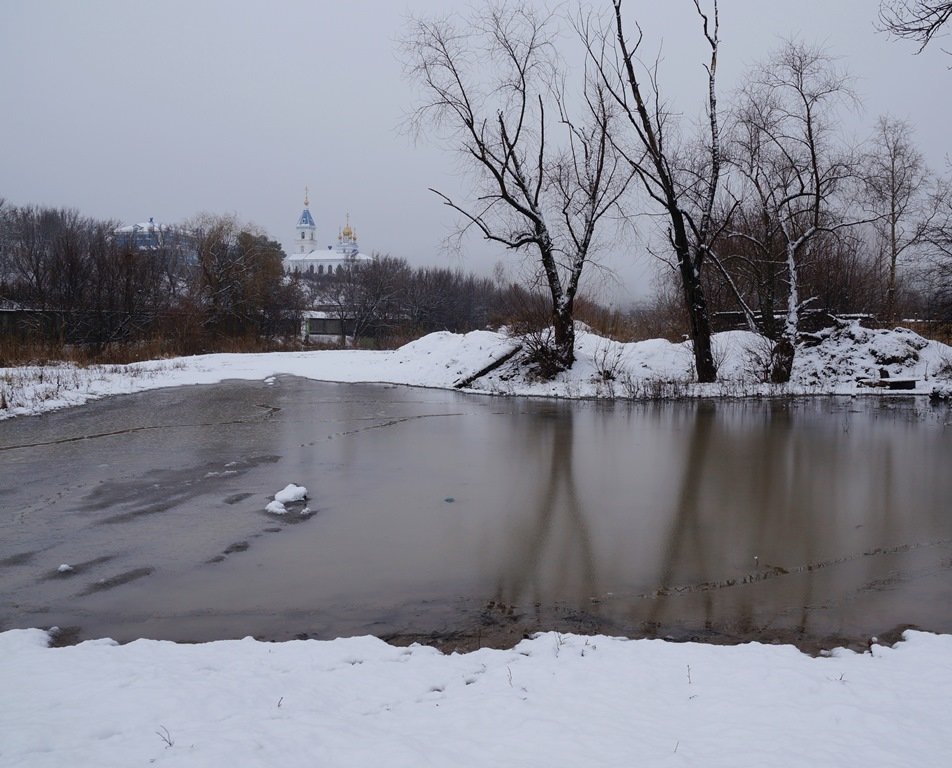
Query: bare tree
[(896, 181), (794, 172), (31, 233), (841, 275), (938, 245), (439, 299), (238, 281), (916, 20), (681, 182), (370, 295), (492, 84)]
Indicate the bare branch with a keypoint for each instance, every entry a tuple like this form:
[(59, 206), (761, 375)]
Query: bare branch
[(543, 183), (916, 20)]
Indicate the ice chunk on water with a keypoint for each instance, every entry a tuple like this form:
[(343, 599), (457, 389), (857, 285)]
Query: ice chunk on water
[(276, 508), (288, 495), (291, 492)]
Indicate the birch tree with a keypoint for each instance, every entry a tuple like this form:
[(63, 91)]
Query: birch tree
[(896, 180), (794, 171), (937, 240)]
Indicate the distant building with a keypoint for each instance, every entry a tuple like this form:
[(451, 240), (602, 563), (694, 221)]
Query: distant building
[(149, 236), (306, 257), (146, 236), (326, 326)]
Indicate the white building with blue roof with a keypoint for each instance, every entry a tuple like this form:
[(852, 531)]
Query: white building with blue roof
[(152, 236), (305, 257)]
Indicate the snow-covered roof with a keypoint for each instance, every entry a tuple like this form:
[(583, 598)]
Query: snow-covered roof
[(142, 226), (305, 219)]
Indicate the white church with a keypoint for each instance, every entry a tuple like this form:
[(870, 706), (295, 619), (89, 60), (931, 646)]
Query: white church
[(307, 258)]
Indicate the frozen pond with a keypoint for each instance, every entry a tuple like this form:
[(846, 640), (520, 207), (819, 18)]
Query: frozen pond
[(472, 520)]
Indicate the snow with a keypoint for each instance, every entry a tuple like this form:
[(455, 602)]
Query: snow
[(843, 361), (291, 493), (64, 568), (854, 354), (276, 508), (554, 700)]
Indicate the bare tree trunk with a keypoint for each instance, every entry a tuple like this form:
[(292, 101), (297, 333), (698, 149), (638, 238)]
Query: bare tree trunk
[(564, 330), (699, 321), (687, 195), (890, 310), (798, 174), (692, 289)]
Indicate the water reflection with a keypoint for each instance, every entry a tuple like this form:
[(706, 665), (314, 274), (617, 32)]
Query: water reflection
[(790, 517), (803, 519), (686, 552), (551, 550), (813, 518)]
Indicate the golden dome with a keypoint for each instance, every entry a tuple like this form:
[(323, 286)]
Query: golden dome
[(347, 233)]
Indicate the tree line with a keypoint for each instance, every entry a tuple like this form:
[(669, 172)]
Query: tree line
[(762, 206), (77, 282), (214, 283), (386, 301)]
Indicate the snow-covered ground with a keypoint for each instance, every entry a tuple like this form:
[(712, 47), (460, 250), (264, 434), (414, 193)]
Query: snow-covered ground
[(555, 700), (551, 701), (844, 362)]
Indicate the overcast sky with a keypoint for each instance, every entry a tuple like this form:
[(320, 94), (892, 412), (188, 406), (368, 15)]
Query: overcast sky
[(126, 109)]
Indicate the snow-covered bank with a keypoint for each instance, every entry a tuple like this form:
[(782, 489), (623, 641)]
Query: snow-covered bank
[(842, 361), (551, 701)]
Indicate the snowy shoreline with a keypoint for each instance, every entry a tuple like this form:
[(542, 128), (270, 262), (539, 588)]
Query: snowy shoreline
[(554, 700), (848, 361)]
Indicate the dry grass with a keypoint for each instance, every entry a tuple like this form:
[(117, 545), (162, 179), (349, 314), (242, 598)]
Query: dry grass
[(14, 352), (30, 387)]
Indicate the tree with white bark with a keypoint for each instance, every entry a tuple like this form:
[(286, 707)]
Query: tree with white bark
[(793, 171)]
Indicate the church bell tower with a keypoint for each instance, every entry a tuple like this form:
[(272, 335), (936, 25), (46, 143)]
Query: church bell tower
[(306, 229)]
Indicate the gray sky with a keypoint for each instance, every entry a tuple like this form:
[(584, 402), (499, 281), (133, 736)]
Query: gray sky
[(126, 109)]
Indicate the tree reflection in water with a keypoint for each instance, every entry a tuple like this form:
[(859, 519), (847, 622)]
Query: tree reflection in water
[(551, 547), (740, 520), (777, 522)]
